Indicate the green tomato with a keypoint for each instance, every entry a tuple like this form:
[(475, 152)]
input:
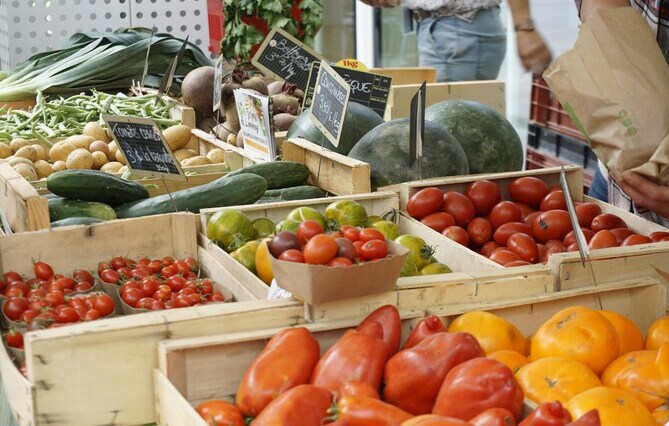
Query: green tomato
[(230, 229), (286, 225), (301, 214), (345, 212), (409, 268), (371, 220), (387, 228), (419, 252), (434, 269), (263, 226), (246, 255)]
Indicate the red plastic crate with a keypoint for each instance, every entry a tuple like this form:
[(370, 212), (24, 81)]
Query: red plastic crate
[(546, 110), (216, 25), (535, 159)]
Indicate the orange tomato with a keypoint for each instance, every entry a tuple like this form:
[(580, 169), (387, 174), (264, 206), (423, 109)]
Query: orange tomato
[(657, 333), (649, 382), (622, 363), (578, 333), (263, 265), (629, 335), (616, 407), (661, 415), (555, 379), (493, 333), (512, 359)]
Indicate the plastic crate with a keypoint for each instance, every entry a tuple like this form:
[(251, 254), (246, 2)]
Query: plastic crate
[(546, 110), (216, 25)]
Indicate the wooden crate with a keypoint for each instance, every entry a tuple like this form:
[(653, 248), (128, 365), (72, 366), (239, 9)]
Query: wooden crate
[(610, 265), (23, 207), (189, 370), (472, 279), (490, 93), (408, 75), (119, 353)]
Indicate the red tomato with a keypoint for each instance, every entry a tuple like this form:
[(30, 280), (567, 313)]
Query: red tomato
[(494, 417), (82, 286), (528, 190), (487, 248), (484, 194), (553, 249), (220, 413), (351, 233), (356, 246), (104, 304), (635, 239), (621, 234), (29, 315), (504, 212), (426, 327), (591, 418), (21, 288), (572, 247), (43, 270), (346, 248), (320, 249), (424, 202), (477, 385), (300, 406), (118, 262), (373, 249), (551, 225), (532, 217), (307, 229), (360, 410), (355, 388), (517, 263), (292, 351), (603, 239), (169, 270), (175, 282), (570, 238), (503, 233), (479, 230), (369, 234), (586, 212), (438, 221), (388, 317), (524, 246), (54, 298), (156, 266), (413, 376), (14, 339), (67, 315), (548, 414), (162, 295), (457, 234), (504, 256), (554, 200), (460, 207), (149, 286), (168, 260), (10, 277), (525, 210), (655, 236), (342, 262), (607, 221), (110, 276), (82, 275), (181, 265), (132, 296), (292, 255)]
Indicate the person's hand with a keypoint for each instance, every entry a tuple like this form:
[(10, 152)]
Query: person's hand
[(646, 193), (381, 3), (533, 52)]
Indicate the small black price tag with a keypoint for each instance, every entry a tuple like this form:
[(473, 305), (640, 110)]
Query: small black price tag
[(417, 124), (330, 102)]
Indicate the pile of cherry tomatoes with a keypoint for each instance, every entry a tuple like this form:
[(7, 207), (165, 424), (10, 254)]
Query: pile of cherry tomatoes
[(524, 230)]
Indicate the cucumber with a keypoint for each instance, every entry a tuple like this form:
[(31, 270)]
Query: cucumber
[(93, 185), (278, 174), (64, 208), (302, 192), (225, 191), (76, 221)]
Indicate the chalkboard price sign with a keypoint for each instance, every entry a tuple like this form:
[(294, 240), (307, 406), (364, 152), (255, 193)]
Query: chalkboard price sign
[(283, 56), (330, 102), (144, 147)]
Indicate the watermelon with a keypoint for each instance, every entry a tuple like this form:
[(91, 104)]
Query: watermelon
[(489, 140), (386, 149), (358, 120)]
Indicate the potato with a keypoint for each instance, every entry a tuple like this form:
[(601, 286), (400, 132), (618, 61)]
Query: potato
[(80, 141), (111, 155), (94, 130), (123, 169), (216, 156), (196, 161), (79, 159), (41, 152), (111, 167), (5, 150), (182, 154), (16, 160), (59, 166), (232, 139), (60, 151), (120, 158), (27, 152), (99, 159), (177, 136), (26, 170), (43, 169), (18, 143), (100, 146)]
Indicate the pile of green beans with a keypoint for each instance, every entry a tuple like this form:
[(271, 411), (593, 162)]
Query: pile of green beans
[(63, 117)]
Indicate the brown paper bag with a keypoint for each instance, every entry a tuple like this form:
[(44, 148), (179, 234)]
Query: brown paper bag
[(614, 84)]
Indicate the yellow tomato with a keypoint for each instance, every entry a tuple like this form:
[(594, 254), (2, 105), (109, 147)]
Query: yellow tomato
[(512, 359), (578, 333), (661, 415), (616, 407), (263, 265), (649, 382), (622, 363), (555, 379), (493, 333), (629, 335), (658, 333)]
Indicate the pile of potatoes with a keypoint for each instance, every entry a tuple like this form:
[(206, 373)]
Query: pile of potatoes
[(93, 149)]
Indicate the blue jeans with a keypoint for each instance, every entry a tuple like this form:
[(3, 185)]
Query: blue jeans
[(599, 188), (462, 50)]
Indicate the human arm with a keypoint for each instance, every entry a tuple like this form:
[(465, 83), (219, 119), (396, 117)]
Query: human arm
[(532, 49), (589, 6), (645, 193)]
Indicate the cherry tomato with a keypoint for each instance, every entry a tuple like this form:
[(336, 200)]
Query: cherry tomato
[(162, 295), (54, 298), (216, 412), (554, 200), (168, 271), (149, 286), (460, 207), (82, 286), (603, 239), (551, 225), (14, 307), (104, 304), (283, 241), (340, 262), (320, 249), (182, 266), (457, 234), (369, 234), (103, 265), (438, 221), (21, 288), (132, 296), (168, 260), (10, 277), (356, 246), (504, 212), (175, 282), (635, 239), (292, 255), (67, 315), (156, 266), (570, 238), (479, 230), (307, 229), (373, 249), (15, 339), (524, 246), (346, 249), (504, 256), (586, 212), (655, 236), (488, 248), (607, 221), (424, 202), (82, 275), (66, 282), (351, 233), (503, 233), (192, 264), (110, 276), (484, 194), (144, 303), (528, 190), (572, 247), (29, 315), (43, 270), (119, 262)]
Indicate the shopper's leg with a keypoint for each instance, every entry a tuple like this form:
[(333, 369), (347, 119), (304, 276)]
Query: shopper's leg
[(599, 187), (442, 45), (492, 43)]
